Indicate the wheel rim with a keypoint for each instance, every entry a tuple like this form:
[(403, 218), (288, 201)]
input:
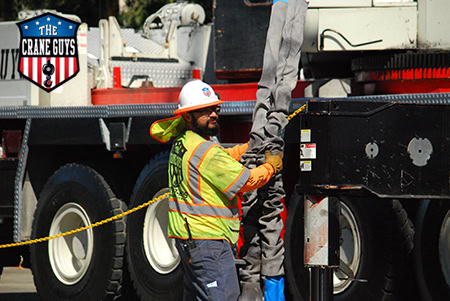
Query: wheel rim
[(159, 248), (70, 255), (350, 246), (444, 247)]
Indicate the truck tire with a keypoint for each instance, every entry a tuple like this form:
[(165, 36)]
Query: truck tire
[(153, 261), (432, 250), (86, 265), (376, 237)]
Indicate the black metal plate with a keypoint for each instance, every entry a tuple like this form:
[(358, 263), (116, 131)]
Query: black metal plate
[(342, 131), (240, 35)]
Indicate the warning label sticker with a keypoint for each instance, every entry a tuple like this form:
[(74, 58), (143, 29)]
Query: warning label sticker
[(307, 151), (305, 135), (306, 165)]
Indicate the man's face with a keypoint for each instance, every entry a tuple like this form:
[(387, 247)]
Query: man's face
[(205, 121)]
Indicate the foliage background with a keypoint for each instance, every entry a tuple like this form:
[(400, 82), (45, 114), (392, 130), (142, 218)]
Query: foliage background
[(130, 13)]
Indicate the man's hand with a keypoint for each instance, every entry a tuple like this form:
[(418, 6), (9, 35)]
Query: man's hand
[(275, 160)]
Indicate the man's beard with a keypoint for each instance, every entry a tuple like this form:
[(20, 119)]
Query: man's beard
[(206, 131)]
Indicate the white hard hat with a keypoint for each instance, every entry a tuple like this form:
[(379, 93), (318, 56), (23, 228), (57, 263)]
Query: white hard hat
[(196, 95)]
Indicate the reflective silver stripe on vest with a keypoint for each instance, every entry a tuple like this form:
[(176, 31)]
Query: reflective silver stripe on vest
[(204, 210), (231, 192), (193, 171)]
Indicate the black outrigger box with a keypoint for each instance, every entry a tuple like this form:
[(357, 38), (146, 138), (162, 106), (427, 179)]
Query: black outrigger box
[(387, 148)]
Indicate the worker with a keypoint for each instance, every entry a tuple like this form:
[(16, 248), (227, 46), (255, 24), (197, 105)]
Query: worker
[(204, 180)]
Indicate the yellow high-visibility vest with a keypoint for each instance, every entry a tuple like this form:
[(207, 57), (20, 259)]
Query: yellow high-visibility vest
[(203, 183)]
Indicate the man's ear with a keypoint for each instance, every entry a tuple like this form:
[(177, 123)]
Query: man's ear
[(188, 117)]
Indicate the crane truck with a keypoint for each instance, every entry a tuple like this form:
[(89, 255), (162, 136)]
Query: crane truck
[(374, 137)]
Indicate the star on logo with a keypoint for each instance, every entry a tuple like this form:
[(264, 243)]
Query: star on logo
[(26, 27), (59, 22), (70, 27), (37, 22), (48, 19)]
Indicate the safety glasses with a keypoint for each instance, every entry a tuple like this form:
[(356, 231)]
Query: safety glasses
[(209, 110)]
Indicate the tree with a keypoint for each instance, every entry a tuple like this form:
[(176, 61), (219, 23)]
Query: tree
[(89, 11), (138, 10)]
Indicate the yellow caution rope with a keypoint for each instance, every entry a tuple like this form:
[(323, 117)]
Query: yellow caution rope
[(298, 111), (38, 240)]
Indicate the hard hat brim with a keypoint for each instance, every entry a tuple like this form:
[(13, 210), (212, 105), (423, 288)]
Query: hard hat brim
[(197, 107)]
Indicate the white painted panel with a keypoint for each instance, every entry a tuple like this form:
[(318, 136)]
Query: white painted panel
[(310, 41), (395, 26), (340, 3), (434, 24), (10, 35), (18, 93), (394, 3)]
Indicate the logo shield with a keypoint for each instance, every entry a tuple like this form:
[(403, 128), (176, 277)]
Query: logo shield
[(48, 51)]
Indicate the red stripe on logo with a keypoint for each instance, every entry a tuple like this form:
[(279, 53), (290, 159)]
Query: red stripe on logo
[(30, 67), (57, 62), (66, 68), (39, 70), (74, 66)]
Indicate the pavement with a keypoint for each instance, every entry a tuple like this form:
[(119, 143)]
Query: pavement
[(16, 284)]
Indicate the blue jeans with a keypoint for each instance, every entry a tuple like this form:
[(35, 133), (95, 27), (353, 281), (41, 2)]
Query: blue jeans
[(209, 271)]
